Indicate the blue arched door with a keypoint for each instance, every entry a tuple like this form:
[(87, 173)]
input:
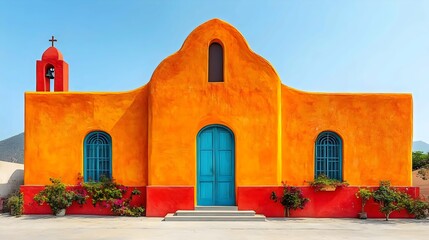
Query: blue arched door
[(215, 167)]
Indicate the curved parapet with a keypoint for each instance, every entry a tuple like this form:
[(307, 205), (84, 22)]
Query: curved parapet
[(183, 101)]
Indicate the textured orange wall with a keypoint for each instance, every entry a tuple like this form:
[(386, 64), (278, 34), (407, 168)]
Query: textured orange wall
[(376, 130), (182, 102), (154, 129), (57, 123)]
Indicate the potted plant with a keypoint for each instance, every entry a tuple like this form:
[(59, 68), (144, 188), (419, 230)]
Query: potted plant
[(56, 196), (324, 183), (292, 199), (364, 194), (15, 203)]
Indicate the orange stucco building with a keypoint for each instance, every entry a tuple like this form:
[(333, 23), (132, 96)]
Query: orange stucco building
[(190, 140)]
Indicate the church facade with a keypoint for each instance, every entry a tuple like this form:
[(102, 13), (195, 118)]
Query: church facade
[(215, 126)]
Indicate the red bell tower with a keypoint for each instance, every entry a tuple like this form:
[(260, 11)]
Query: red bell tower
[(52, 67)]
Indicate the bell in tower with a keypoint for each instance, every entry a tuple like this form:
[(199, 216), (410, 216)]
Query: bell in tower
[(50, 73), (52, 67)]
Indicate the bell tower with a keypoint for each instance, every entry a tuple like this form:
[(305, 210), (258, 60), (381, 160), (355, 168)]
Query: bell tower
[(52, 72)]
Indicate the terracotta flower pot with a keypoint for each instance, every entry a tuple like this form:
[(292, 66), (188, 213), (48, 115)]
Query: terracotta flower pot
[(328, 188), (12, 211), (61, 213), (363, 215)]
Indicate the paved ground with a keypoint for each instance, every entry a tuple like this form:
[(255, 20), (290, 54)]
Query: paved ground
[(95, 227)]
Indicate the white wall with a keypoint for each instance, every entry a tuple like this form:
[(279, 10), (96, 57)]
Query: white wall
[(11, 177)]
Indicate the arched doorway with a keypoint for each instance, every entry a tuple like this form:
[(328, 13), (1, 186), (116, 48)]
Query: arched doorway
[(215, 166)]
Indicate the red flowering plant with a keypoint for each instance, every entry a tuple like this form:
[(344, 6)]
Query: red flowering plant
[(122, 207), (107, 193)]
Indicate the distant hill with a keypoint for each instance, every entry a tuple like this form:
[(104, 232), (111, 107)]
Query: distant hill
[(12, 149), (420, 146)]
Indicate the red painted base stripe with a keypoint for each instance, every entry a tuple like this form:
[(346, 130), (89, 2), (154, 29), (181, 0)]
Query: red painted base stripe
[(342, 203)]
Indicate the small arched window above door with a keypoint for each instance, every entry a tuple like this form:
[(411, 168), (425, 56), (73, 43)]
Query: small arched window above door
[(215, 62)]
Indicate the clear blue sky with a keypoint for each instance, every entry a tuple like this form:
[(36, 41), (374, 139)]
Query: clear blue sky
[(323, 46)]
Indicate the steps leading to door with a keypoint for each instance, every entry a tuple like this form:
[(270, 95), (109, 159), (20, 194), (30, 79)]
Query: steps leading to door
[(216, 208), (215, 213)]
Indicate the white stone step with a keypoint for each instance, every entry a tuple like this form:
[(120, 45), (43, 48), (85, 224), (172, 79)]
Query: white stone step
[(217, 208), (214, 213), (173, 217)]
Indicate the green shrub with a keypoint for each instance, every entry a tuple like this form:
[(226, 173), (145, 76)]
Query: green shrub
[(15, 204), (420, 159), (292, 198), (421, 163), (417, 207), (389, 199)]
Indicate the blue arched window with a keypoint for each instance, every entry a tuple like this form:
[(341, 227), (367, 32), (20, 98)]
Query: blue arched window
[(329, 151), (97, 156)]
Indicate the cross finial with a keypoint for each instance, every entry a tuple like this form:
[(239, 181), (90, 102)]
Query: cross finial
[(52, 40)]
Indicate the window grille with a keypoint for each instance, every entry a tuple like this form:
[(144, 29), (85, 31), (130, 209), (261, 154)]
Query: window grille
[(98, 156), (329, 155)]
